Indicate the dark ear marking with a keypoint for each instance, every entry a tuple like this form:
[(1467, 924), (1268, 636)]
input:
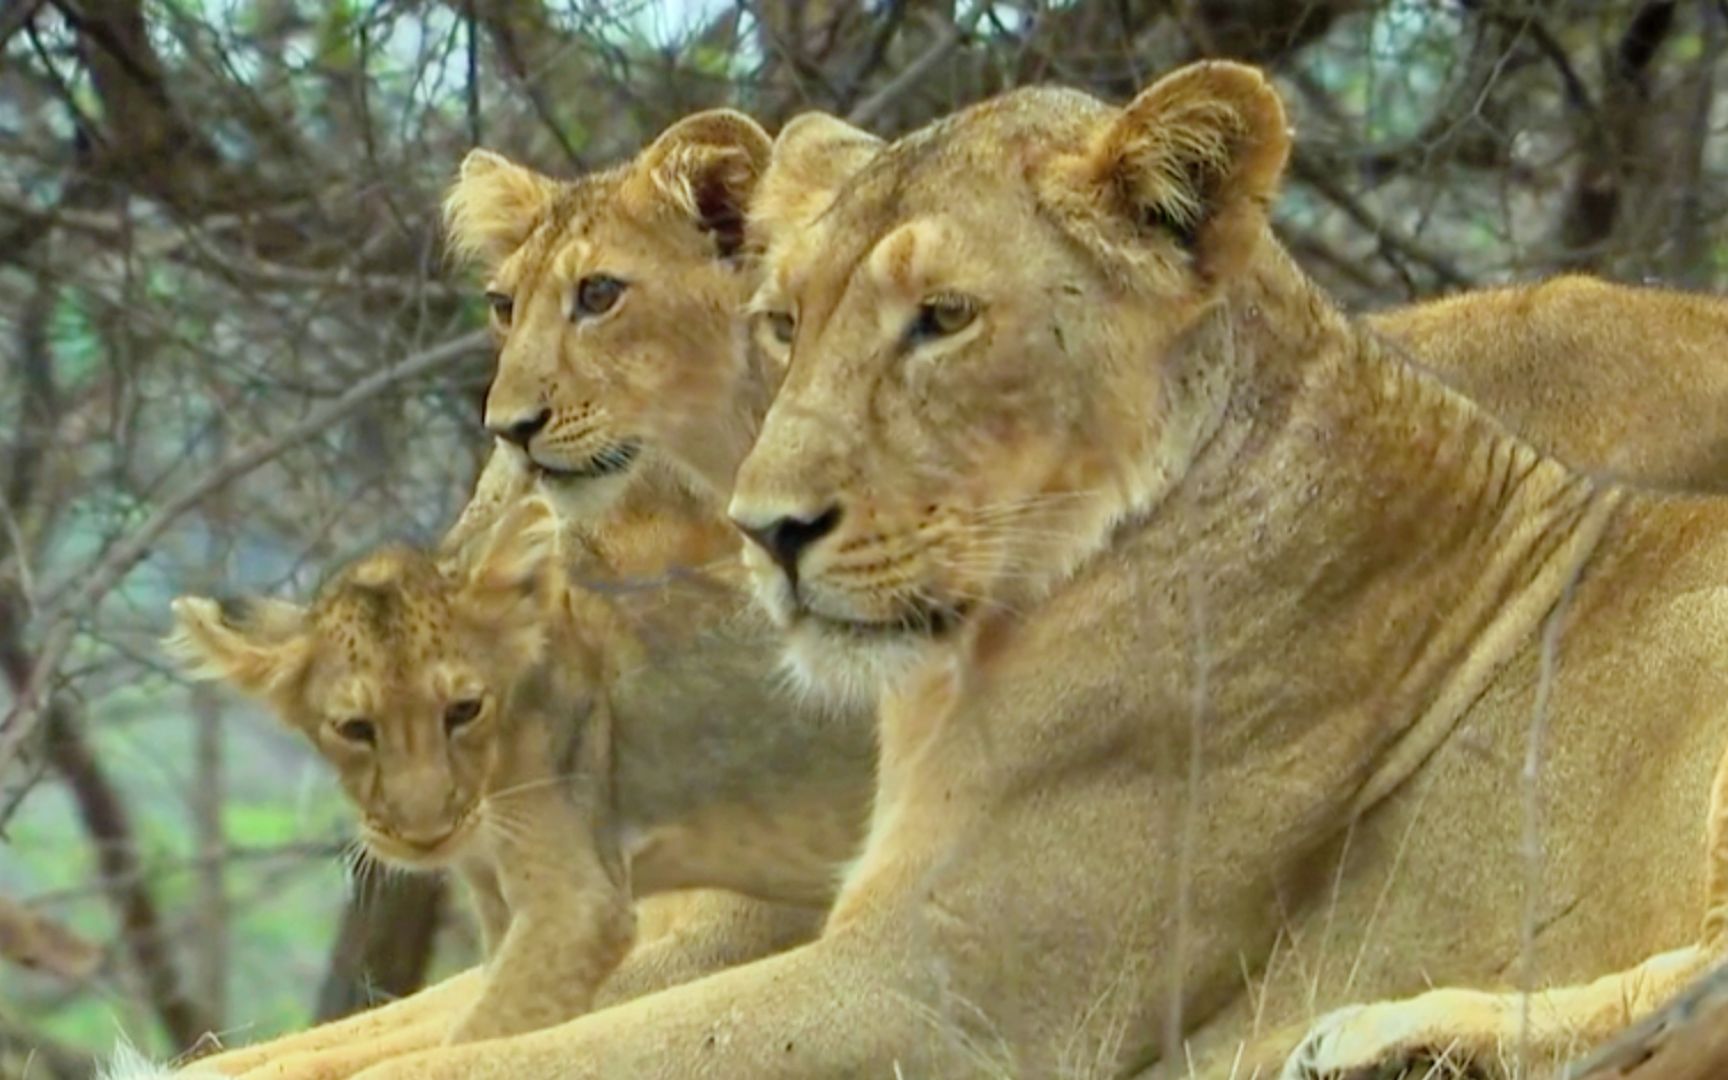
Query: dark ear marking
[(1158, 218), (1201, 178), (719, 213), (707, 167), (233, 609)]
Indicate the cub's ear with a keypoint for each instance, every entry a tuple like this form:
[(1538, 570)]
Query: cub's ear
[(1198, 156), (814, 154), (513, 561), (503, 480), (493, 205), (706, 167), (259, 646)]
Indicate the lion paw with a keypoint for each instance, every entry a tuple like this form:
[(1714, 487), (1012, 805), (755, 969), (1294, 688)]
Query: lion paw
[(1382, 1042)]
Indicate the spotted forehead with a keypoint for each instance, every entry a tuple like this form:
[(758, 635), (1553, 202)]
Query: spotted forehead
[(389, 613)]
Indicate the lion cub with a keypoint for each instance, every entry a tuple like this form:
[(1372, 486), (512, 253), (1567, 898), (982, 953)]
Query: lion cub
[(455, 699)]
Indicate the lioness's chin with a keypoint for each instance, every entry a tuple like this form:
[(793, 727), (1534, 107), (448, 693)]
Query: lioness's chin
[(852, 665)]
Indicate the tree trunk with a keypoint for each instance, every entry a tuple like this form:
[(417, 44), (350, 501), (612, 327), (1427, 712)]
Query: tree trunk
[(384, 945)]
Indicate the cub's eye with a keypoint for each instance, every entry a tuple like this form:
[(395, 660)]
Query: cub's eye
[(597, 294), (942, 316), (460, 714), (358, 731), (503, 305), (781, 325)]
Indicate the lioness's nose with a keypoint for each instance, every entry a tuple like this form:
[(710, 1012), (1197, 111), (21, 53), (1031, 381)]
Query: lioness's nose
[(786, 538), (519, 429)]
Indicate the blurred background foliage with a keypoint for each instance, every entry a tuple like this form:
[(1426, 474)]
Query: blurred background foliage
[(234, 356)]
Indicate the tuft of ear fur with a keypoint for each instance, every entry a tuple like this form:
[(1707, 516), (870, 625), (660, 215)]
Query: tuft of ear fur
[(706, 167), (1198, 155), (256, 645), (493, 206), (814, 155)]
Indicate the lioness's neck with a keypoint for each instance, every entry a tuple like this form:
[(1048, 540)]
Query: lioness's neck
[(1352, 516), (1385, 500)]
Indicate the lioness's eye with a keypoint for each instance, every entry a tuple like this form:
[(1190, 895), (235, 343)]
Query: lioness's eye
[(782, 326), (461, 713), (597, 293), (503, 306), (358, 731), (943, 315)]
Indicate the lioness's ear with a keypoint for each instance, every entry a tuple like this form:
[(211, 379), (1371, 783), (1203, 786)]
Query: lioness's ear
[(814, 154), (257, 645), (706, 167), (493, 205), (1198, 155)]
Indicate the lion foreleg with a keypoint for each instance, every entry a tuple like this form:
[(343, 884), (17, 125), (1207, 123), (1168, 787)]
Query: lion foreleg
[(570, 919), (691, 934), (1485, 1033), (1502, 1033), (832, 1008), (341, 1062), (435, 1005)]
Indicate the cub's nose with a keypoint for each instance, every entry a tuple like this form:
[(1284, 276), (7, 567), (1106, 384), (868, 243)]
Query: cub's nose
[(519, 429), (788, 537), (426, 834)]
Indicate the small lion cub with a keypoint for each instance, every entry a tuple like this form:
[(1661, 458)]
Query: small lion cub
[(457, 703)]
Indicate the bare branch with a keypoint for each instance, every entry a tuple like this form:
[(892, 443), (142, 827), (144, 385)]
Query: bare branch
[(32, 940), (1390, 240), (121, 557), (948, 38)]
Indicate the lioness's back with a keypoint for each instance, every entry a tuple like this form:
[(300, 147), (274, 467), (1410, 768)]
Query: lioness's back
[(1620, 379)]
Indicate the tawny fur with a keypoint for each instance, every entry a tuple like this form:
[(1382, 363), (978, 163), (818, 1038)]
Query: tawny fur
[(1193, 523)]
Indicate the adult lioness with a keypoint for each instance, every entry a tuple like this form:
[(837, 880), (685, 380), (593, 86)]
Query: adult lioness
[(1626, 381), (1209, 632)]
